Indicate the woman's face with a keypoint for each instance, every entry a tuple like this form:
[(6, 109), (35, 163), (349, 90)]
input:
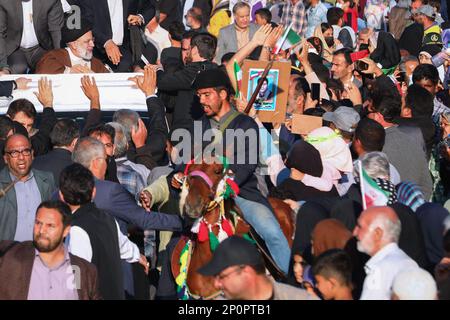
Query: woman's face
[(328, 32), (298, 268)]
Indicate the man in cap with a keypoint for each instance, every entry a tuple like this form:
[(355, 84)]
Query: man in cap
[(426, 16), (76, 57), (345, 120), (213, 89), (239, 271)]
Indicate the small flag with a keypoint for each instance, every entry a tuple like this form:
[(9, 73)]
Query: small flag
[(238, 76), (372, 194), (289, 39)]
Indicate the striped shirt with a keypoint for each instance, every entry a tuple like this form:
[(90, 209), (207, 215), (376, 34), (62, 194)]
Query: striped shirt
[(295, 14)]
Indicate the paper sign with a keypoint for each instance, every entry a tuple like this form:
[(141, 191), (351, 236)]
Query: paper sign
[(303, 124)]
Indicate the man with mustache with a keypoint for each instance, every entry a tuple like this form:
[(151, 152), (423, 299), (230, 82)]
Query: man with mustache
[(76, 56), (44, 269), (18, 204)]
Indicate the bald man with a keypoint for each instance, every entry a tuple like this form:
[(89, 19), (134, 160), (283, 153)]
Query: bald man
[(377, 231), (19, 203)]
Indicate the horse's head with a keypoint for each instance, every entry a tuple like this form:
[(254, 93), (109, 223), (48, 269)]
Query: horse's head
[(200, 188)]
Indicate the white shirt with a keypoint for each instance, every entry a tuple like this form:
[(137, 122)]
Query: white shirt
[(80, 245), (116, 15), (66, 6), (76, 60), (159, 38), (29, 38), (381, 271), (188, 5)]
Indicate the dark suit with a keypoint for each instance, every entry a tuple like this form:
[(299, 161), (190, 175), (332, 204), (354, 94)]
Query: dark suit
[(47, 20), (16, 265), (54, 161), (8, 204), (114, 199), (98, 13), (6, 88)]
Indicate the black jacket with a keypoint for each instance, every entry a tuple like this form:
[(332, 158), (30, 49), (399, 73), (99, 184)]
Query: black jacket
[(41, 140), (54, 161), (6, 88), (97, 13), (187, 106), (102, 231)]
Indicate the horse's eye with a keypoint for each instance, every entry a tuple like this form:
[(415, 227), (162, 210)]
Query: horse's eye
[(218, 171)]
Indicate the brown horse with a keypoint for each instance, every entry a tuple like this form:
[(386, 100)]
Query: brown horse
[(199, 201)]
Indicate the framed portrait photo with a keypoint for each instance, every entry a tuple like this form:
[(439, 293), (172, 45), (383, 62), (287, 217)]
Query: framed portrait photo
[(271, 100)]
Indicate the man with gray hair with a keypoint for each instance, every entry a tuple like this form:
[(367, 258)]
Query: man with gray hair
[(114, 199), (235, 36), (378, 231), (130, 175)]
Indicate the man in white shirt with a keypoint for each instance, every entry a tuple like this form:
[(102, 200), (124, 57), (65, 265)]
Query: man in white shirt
[(112, 22), (29, 29), (378, 231)]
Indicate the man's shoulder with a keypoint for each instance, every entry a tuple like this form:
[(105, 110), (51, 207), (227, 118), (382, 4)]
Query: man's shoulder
[(16, 250), (82, 263), (227, 29), (43, 175), (286, 292)]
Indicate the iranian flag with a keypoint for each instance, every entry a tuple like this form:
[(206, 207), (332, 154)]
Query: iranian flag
[(289, 39), (372, 194), (238, 76)]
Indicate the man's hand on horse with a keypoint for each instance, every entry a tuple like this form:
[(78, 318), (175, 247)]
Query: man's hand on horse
[(177, 180), (145, 198)]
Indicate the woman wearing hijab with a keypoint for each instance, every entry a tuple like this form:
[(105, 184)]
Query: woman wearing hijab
[(329, 234), (303, 159), (325, 33), (431, 218), (336, 158)]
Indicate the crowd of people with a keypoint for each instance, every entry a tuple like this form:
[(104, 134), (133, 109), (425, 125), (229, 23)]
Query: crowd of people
[(94, 210)]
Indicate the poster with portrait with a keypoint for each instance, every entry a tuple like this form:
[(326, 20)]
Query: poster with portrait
[(267, 96), (271, 100)]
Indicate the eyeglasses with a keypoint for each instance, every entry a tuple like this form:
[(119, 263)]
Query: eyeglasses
[(16, 153), (222, 277)]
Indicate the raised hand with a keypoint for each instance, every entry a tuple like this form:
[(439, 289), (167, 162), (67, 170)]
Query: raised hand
[(147, 83), (22, 83), (45, 94), (139, 136), (261, 35)]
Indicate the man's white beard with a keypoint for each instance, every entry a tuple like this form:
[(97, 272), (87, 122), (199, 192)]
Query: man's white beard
[(85, 55)]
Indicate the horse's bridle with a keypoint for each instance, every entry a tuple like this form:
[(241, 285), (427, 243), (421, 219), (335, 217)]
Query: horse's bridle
[(198, 173)]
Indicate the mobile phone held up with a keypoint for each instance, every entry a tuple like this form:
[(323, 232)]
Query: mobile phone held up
[(361, 66), (315, 91)]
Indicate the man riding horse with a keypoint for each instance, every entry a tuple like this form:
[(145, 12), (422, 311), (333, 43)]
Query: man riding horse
[(213, 90)]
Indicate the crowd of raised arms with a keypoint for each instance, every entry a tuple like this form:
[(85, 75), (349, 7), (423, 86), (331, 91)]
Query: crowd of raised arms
[(295, 149)]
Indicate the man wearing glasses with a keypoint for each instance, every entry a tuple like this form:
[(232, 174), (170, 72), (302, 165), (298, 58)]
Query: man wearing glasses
[(239, 272), (24, 189)]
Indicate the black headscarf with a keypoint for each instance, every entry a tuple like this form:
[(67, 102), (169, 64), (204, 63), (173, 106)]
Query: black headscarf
[(411, 238), (431, 217), (305, 158), (387, 52)]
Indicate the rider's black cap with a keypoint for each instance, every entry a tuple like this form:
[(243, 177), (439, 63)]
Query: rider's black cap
[(233, 251)]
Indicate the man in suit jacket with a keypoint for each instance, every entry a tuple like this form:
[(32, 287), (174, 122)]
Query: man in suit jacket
[(76, 55), (113, 198), (111, 20), (18, 205), (235, 36), (26, 267), (64, 137), (29, 29)]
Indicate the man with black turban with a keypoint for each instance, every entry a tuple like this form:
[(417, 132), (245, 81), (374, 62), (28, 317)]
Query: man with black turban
[(77, 53)]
